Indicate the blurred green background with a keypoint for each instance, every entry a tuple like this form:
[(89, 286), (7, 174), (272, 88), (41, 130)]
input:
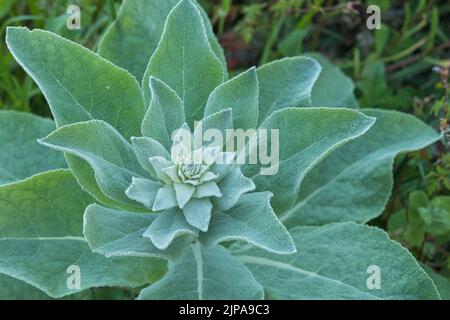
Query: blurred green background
[(403, 66)]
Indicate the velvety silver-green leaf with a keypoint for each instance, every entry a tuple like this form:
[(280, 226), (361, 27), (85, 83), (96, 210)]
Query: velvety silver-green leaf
[(205, 274), (132, 39), (252, 220), (143, 190), (41, 221), (85, 176), (333, 88), (207, 189), (222, 169), (46, 204), (232, 186), (165, 114), (166, 198), (13, 289), (23, 259), (339, 261), (120, 233), (198, 213), (21, 155), (355, 182), (286, 83), (183, 192), (146, 148), (215, 45), (185, 61), (221, 121), (109, 154), (79, 85), (306, 136), (241, 95), (168, 225)]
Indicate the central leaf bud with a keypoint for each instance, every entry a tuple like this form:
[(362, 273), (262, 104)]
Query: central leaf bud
[(189, 170)]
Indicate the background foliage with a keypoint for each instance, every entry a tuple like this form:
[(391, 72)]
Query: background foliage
[(403, 66)]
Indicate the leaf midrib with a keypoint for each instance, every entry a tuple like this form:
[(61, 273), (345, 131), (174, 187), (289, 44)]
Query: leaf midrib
[(288, 213), (61, 238), (285, 266), (197, 252)]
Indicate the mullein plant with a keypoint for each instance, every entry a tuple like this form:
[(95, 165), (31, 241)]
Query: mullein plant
[(110, 190)]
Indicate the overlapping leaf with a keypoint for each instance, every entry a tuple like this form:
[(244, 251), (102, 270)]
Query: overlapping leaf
[(185, 61), (167, 226), (165, 114), (119, 233), (108, 153), (241, 95), (306, 136), (332, 88), (253, 220), (286, 83), (335, 262), (79, 86), (41, 225), (20, 154), (132, 39), (13, 289), (355, 182), (204, 274)]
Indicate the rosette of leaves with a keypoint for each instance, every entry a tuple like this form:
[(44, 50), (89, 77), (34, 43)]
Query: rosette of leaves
[(129, 215)]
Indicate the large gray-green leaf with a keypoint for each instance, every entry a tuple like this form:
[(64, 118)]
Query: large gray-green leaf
[(120, 233), (355, 182), (205, 274), (165, 114), (306, 136), (46, 204), (232, 186), (198, 213), (79, 85), (24, 258), (253, 220), (219, 121), (339, 261), (333, 88), (215, 45), (168, 225), (41, 225), (109, 154), (13, 289), (85, 176), (286, 83), (131, 40), (241, 95), (185, 61), (20, 154), (146, 148), (144, 191)]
